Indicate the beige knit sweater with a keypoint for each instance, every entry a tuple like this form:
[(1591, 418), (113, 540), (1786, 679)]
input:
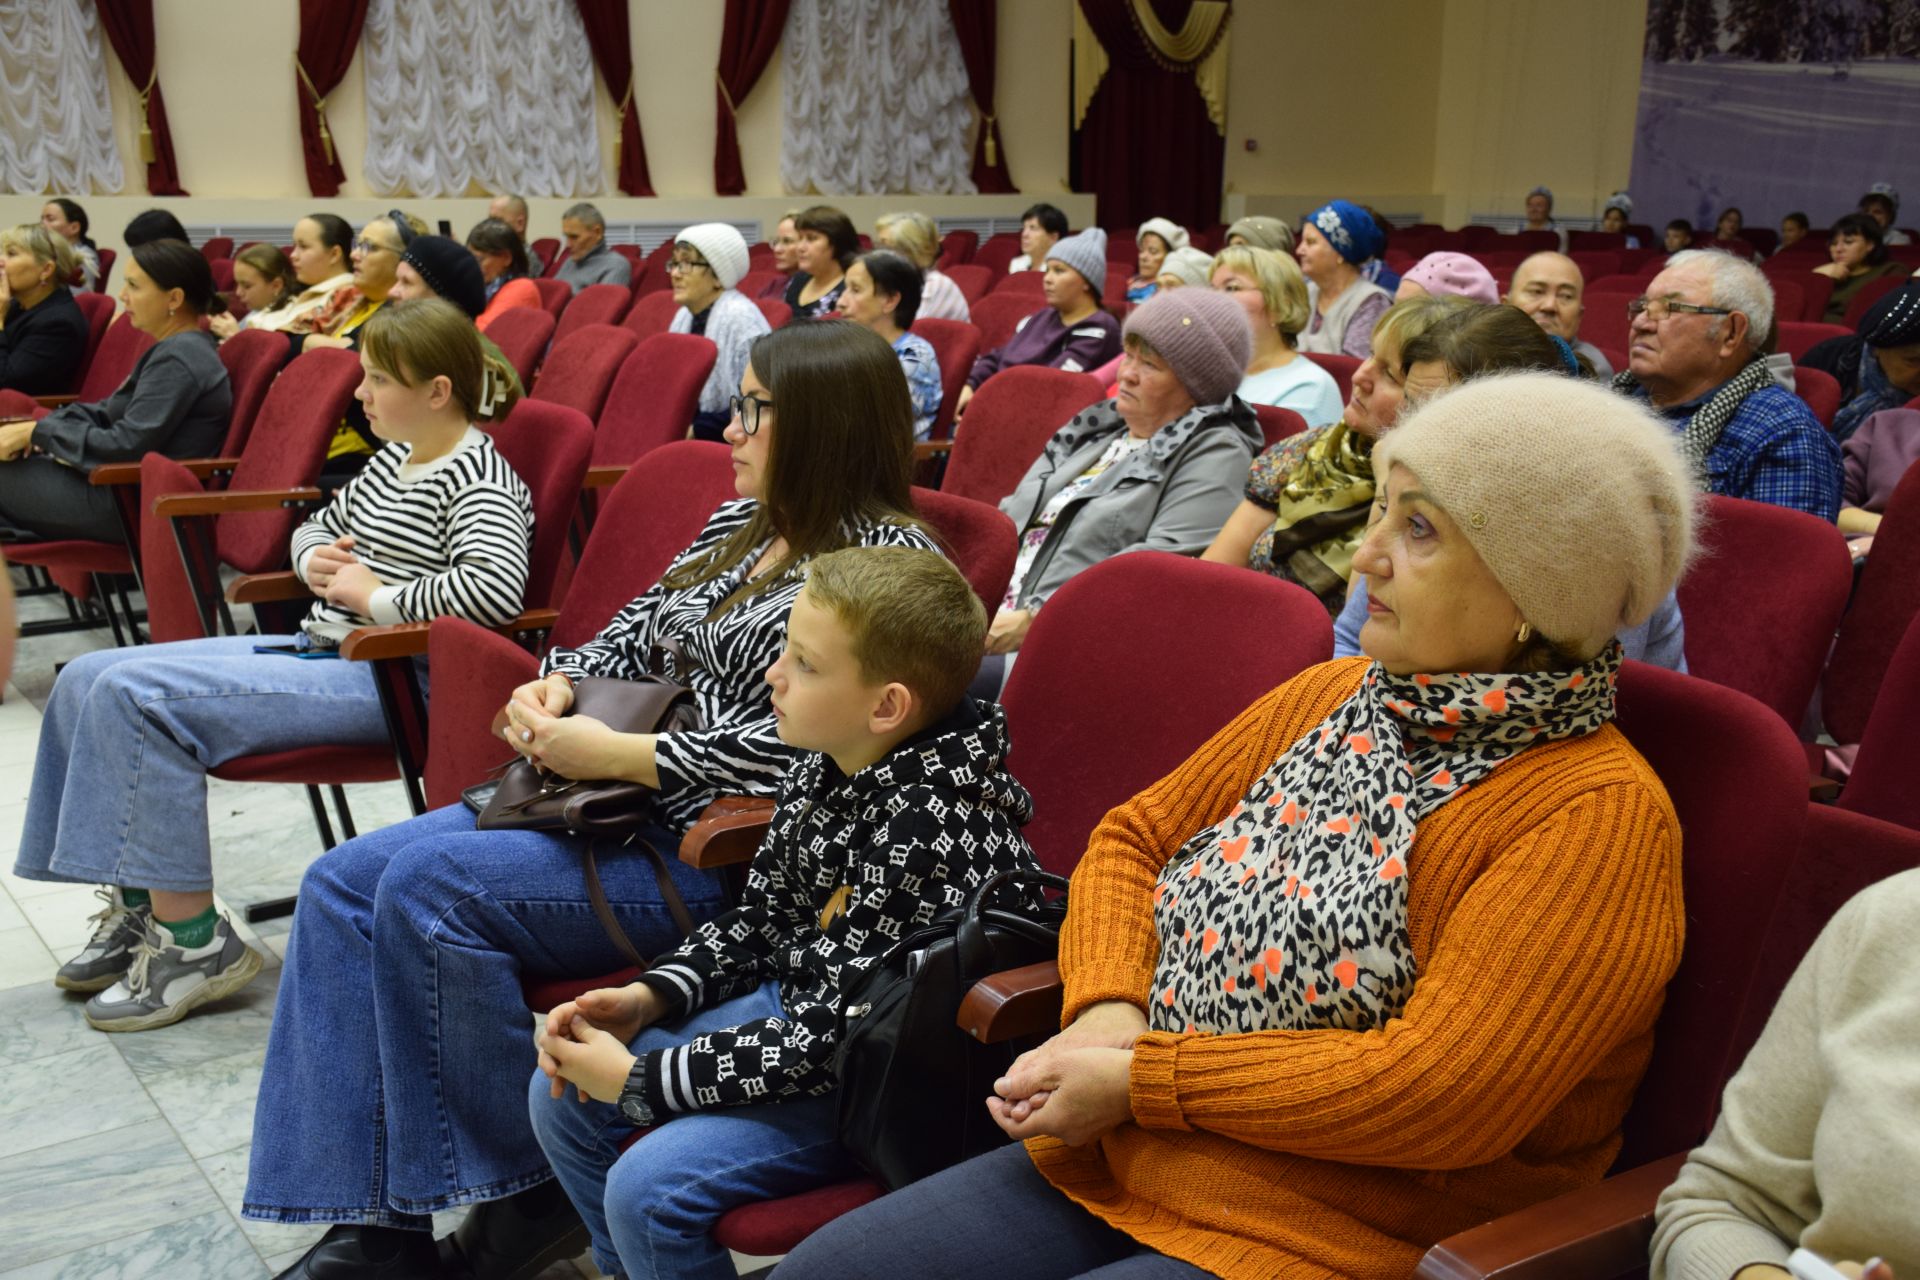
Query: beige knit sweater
[(1818, 1143)]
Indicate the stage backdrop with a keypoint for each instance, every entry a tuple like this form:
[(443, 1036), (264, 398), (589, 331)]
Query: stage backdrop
[(1776, 107)]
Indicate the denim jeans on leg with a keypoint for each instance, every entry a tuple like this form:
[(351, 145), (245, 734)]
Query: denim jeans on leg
[(651, 1209), (396, 1070), (119, 790)]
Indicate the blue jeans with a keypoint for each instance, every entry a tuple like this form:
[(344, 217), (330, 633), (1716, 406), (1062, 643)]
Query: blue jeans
[(652, 1207), (396, 1069), (119, 790)]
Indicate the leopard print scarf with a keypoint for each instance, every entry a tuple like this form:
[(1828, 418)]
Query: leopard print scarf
[(1291, 912)]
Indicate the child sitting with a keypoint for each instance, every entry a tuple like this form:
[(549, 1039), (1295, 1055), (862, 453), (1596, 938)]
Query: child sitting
[(903, 809)]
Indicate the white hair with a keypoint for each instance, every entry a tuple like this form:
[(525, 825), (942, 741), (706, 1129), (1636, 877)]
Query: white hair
[(1737, 285)]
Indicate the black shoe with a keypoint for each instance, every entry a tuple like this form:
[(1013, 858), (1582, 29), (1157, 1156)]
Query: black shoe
[(516, 1238), (368, 1253)]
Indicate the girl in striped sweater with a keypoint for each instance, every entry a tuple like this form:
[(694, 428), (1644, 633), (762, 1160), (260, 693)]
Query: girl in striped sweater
[(436, 524)]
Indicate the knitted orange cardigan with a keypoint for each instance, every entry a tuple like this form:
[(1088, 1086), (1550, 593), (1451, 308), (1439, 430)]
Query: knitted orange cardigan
[(1544, 908)]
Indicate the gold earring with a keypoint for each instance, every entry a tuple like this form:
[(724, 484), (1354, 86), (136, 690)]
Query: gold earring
[(1525, 633)]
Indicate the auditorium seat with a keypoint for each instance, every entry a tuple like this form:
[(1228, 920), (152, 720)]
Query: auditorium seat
[(522, 334), (650, 314), (554, 296), (579, 371), (956, 345), (972, 279), (1008, 421), (1341, 367), (1797, 337), (998, 314), (595, 304), (1820, 392)]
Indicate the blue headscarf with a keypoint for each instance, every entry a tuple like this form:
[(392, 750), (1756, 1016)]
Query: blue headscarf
[(1349, 229)]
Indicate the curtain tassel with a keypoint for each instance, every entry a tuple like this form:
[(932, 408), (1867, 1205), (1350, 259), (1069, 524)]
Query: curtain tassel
[(992, 148), (147, 153), (620, 126), (319, 110)]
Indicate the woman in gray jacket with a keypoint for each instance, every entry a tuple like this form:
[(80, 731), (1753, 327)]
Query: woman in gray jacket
[(1158, 467)]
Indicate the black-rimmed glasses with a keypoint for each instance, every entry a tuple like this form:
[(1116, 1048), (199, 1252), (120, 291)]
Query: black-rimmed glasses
[(748, 409)]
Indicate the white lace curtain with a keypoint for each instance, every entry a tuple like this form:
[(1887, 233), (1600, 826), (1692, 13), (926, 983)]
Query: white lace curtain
[(494, 92), (56, 121), (876, 99)]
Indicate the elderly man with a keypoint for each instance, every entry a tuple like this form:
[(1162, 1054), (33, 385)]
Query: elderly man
[(1696, 358), (589, 261), (1549, 287), (511, 210)]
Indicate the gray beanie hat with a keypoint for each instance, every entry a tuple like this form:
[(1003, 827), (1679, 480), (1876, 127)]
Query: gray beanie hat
[(1263, 232), (1190, 265), (1203, 336), (1087, 254), (723, 248), (1585, 547)]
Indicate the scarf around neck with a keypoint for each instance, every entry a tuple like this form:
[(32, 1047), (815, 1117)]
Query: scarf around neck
[(1321, 515), (1290, 913), (1710, 419), (1874, 393)]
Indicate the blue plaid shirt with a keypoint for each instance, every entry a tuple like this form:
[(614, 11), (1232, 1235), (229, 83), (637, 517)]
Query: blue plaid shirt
[(1772, 450)]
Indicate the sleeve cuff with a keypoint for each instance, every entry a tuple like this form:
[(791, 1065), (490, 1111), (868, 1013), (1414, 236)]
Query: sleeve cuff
[(678, 985), (1724, 1249), (1151, 1083), (300, 563), (383, 606)]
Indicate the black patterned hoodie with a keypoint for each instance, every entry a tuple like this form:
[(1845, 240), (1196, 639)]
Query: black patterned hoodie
[(848, 867)]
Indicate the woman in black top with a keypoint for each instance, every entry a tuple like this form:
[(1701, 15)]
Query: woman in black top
[(43, 336), (827, 246), (67, 220)]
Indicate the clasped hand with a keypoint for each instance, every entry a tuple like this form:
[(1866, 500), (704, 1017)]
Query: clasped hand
[(583, 1042), (1076, 1086), (539, 728), (16, 439), (335, 574)]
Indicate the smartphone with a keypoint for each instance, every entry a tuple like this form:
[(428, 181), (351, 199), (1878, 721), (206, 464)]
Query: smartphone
[(295, 651), (1805, 1264)]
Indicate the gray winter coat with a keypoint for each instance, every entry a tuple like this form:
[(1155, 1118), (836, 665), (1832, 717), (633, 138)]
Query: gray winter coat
[(1174, 495)]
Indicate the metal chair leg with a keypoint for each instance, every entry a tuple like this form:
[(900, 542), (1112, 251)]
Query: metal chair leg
[(346, 814)]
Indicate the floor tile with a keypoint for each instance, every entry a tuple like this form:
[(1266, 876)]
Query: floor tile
[(41, 1020), (142, 1172), (63, 918), (41, 1102), (25, 960), (237, 1025), (11, 917), (209, 1246), (210, 1105), (227, 1174)]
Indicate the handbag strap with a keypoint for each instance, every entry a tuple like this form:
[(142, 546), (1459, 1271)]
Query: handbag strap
[(669, 892)]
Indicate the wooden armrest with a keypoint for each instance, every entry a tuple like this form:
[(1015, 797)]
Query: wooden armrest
[(266, 588), (54, 402), (1013, 1003), (409, 639), (602, 477), (1601, 1230), (924, 449), (176, 505), (1822, 789), (119, 473), (728, 832)]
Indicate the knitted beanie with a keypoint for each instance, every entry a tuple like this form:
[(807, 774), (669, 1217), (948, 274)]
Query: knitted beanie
[(1619, 200), (1894, 321), (450, 271), (1085, 253), (1454, 275), (1172, 232), (722, 246), (1190, 265), (1579, 500), (1203, 336), (1263, 233)]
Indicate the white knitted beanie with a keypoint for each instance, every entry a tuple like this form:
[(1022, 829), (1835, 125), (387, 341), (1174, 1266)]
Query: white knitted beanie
[(722, 246), (1579, 500)]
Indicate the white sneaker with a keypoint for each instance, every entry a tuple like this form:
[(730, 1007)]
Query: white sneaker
[(165, 981), (118, 929)]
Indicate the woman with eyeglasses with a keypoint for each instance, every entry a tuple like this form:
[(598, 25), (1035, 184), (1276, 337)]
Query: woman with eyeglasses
[(396, 1077), (708, 260), (43, 335)]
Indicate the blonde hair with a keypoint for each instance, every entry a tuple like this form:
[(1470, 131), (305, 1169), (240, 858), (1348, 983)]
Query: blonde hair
[(913, 234), (1405, 321), (1282, 288), (45, 247), (910, 617), (424, 339)]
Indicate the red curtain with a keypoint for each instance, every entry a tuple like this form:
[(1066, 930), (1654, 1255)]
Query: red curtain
[(329, 33), (129, 25), (974, 24), (607, 35), (1147, 147), (747, 41)]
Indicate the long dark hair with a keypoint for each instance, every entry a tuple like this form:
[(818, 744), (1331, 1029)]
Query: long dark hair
[(335, 233), (841, 454), (175, 264), (491, 235), (1864, 226), (72, 211), (1486, 338), (154, 224)]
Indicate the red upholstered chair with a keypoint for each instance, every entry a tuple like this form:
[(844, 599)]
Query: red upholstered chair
[(544, 251), (559, 256), (1596, 263), (1762, 601), (1341, 367), (522, 334), (1820, 392), (1113, 293), (579, 371), (777, 312), (756, 281), (1885, 603), (215, 247), (1797, 337), (121, 347), (1605, 322), (653, 400), (107, 257), (1123, 249), (998, 314), (976, 537), (1789, 301), (1028, 284), (972, 279), (1008, 421), (1871, 292), (595, 304), (548, 446), (956, 344), (222, 271), (1276, 424), (1882, 782), (98, 309), (554, 295), (957, 249), (650, 314), (643, 280), (997, 252), (253, 359), (1815, 290)]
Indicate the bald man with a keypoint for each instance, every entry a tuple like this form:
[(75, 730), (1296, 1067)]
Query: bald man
[(1549, 287), (511, 210)]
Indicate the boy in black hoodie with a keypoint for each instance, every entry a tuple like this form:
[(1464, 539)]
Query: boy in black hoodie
[(900, 808)]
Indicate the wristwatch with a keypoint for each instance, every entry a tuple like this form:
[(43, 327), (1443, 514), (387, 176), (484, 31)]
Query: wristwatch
[(633, 1105)]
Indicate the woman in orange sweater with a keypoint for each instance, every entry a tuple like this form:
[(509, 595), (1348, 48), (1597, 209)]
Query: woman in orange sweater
[(1382, 960)]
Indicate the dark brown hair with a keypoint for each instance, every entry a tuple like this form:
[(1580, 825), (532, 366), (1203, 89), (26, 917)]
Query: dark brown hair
[(491, 235), (1864, 226), (273, 266), (175, 264), (835, 226), (1484, 339)]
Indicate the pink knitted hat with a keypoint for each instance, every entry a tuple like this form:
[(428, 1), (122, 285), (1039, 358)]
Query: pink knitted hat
[(1456, 275)]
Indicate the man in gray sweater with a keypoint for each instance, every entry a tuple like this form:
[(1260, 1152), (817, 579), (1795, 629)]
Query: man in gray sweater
[(589, 261)]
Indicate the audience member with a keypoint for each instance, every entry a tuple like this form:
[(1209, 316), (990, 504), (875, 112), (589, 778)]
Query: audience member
[(901, 791), (436, 267), (322, 260), (1156, 238), (1155, 468), (1305, 502), (1859, 256), (1235, 1091), (709, 259), (376, 260), (145, 724), (1261, 232), (786, 246), (154, 224), (1679, 236), (263, 280), (1185, 267), (1882, 204), (916, 237), (1448, 275), (825, 246), (66, 219), (1726, 228), (1540, 211), (505, 269), (1614, 216), (1793, 229), (1071, 332), (1550, 288), (43, 335), (589, 261), (1876, 457), (1041, 227), (1375, 269), (1814, 1137), (1879, 366), (883, 293), (1335, 243), (1268, 284), (511, 210), (175, 402), (1698, 359)]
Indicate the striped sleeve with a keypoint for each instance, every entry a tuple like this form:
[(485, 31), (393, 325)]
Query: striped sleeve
[(488, 528)]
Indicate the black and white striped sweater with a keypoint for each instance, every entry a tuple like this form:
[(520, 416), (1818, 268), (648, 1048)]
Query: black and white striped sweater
[(450, 537)]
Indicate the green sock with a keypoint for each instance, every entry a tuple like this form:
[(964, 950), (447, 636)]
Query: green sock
[(196, 931), (135, 897)]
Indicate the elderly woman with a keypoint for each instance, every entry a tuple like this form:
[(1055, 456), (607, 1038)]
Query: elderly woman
[(1878, 366), (1614, 216), (1261, 232), (1334, 247), (825, 246), (504, 267), (1293, 1043), (1307, 498), (786, 247), (66, 219), (1448, 275), (175, 402), (883, 293), (709, 259), (1859, 255), (1269, 285), (1185, 267), (915, 237), (1813, 1148), (1156, 238), (1071, 332), (263, 282), (322, 258), (43, 335), (1155, 468), (376, 257)]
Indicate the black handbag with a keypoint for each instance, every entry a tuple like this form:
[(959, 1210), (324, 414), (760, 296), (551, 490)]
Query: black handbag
[(912, 1084)]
